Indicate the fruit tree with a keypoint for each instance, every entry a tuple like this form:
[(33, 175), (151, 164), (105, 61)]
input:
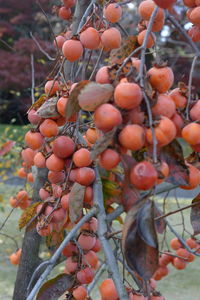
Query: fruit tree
[(110, 130)]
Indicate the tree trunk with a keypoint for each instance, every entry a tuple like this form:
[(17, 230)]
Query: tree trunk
[(30, 247)]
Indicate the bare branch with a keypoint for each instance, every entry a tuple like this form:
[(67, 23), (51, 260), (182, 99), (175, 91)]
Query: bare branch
[(102, 231), (40, 48), (32, 79)]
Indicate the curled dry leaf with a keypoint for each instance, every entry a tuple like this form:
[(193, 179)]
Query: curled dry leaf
[(28, 214), (48, 109), (139, 240), (56, 287), (94, 94), (38, 103), (102, 143), (160, 224), (6, 147), (195, 215), (76, 197), (178, 170)]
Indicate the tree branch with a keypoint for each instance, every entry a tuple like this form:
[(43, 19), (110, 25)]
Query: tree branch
[(102, 231)]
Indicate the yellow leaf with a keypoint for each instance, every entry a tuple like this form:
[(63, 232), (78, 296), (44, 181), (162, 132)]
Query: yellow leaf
[(27, 215)]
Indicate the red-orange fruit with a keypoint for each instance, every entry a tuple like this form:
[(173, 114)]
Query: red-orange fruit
[(128, 95), (54, 163), (164, 4), (33, 117), (179, 99), (88, 197), (141, 37), (188, 13), (85, 276), (90, 258), (80, 293), (132, 137), (164, 171), (191, 133), (109, 159), (106, 117), (61, 105), (146, 9), (69, 3), (192, 243), (39, 160), (64, 13), (28, 156), (90, 38), (44, 231), (81, 158), (194, 178), (13, 202), (157, 25), (92, 135), (197, 2), (179, 264), (111, 38), (136, 63), (48, 128), (56, 177), (22, 196), (22, 173), (59, 41), (112, 12), (34, 140), (30, 177), (194, 33), (161, 79), (63, 146), (189, 3), (195, 111), (143, 175), (136, 297), (175, 244), (165, 132), (102, 75), (108, 290), (195, 16), (86, 242), (72, 50), (85, 176), (51, 87), (15, 257), (179, 123), (136, 116), (164, 106)]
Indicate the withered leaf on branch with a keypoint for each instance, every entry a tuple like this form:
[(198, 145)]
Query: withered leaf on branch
[(160, 224), (56, 287), (38, 103), (28, 214), (140, 245), (49, 108), (117, 56), (76, 197), (195, 215), (54, 239), (102, 143), (178, 170)]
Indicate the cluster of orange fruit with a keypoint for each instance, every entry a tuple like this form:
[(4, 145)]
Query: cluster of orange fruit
[(193, 15)]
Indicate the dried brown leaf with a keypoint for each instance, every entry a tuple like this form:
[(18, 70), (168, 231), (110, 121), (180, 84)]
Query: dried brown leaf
[(49, 108), (195, 215), (76, 197), (27, 215)]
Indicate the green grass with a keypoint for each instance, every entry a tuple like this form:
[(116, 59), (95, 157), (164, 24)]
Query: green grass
[(178, 285)]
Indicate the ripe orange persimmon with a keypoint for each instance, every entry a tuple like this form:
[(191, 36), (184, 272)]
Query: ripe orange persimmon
[(90, 38), (51, 87), (72, 50), (164, 4), (108, 290), (48, 128), (56, 177), (111, 38), (80, 293), (175, 244), (59, 41), (136, 63), (194, 33), (179, 99), (88, 197), (165, 132), (33, 117), (102, 75), (106, 117), (132, 137), (195, 111), (22, 173), (157, 25), (85, 176), (161, 79), (179, 123), (144, 176), (92, 135), (69, 3), (189, 3), (127, 95), (15, 257), (109, 159), (146, 9), (191, 133), (192, 243), (86, 242), (164, 106), (194, 178), (85, 276), (81, 158), (195, 16), (63, 146), (61, 105), (112, 12), (64, 13), (164, 171), (28, 156), (179, 264), (54, 163), (39, 160), (141, 36), (34, 140)]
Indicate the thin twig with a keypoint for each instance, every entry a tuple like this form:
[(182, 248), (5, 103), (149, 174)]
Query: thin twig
[(97, 64), (98, 275), (86, 14), (12, 238), (190, 86), (32, 79), (102, 231), (56, 255), (40, 48)]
